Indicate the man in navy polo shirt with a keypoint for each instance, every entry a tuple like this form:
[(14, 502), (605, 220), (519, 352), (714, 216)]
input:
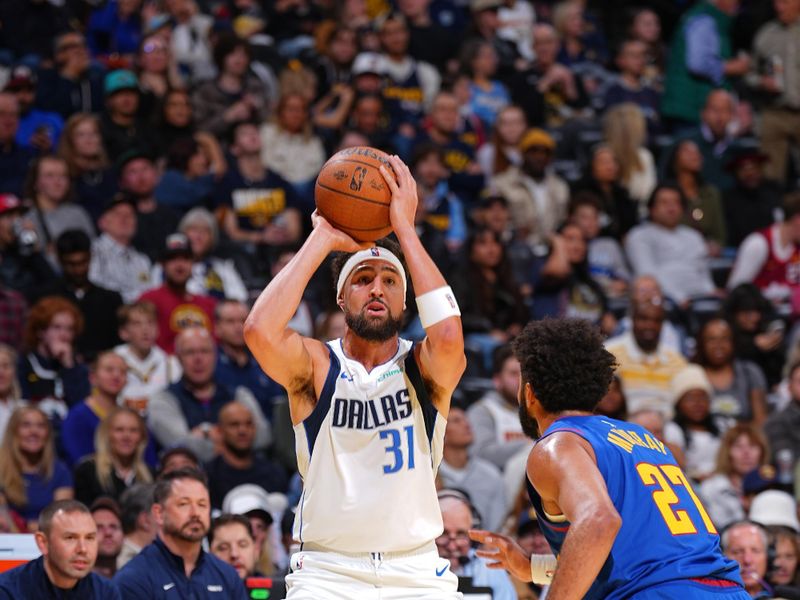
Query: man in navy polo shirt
[(67, 539), (235, 364), (175, 564)]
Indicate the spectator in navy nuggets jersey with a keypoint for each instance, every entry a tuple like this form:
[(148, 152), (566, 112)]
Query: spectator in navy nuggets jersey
[(612, 501), (67, 539), (368, 410)]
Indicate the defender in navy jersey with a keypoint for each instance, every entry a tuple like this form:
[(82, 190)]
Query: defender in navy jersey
[(368, 411), (619, 514)]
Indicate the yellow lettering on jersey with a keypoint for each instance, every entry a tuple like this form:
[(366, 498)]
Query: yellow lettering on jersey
[(457, 161), (628, 439), (440, 222), (655, 444), (404, 94), (469, 138), (622, 443)]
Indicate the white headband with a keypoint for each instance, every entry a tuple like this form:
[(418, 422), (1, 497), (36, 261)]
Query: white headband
[(374, 253)]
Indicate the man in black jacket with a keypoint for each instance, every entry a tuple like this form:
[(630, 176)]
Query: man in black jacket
[(97, 304)]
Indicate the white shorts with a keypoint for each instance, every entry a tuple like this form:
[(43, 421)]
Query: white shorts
[(326, 575)]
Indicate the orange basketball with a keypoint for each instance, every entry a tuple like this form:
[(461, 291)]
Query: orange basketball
[(352, 194)]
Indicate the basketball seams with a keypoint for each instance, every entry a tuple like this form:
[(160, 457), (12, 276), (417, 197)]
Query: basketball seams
[(347, 228), (358, 162), (349, 195)]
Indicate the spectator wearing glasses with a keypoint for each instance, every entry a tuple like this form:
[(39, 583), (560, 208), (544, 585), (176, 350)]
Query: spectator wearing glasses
[(73, 85), (459, 516)]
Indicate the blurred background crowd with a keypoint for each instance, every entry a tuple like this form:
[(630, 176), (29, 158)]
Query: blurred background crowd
[(635, 164)]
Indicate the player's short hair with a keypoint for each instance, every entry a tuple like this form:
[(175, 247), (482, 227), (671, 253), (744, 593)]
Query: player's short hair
[(565, 363), (341, 257), (163, 488), (228, 519), (50, 511)]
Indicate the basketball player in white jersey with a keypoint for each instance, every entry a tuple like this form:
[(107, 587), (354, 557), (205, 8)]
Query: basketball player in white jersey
[(368, 411)]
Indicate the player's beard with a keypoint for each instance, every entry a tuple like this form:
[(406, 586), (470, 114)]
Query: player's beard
[(184, 532), (373, 330), (529, 425)]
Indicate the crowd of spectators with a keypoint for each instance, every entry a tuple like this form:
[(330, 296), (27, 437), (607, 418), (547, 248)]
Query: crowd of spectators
[(635, 164)]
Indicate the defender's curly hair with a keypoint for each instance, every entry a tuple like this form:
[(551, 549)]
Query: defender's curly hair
[(565, 362)]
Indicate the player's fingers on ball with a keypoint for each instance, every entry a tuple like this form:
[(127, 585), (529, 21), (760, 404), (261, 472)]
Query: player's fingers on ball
[(390, 180), (400, 168)]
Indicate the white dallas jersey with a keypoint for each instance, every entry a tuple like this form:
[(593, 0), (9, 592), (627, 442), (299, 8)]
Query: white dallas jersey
[(368, 456)]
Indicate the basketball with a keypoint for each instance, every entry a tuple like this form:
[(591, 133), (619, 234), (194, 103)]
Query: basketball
[(352, 194)]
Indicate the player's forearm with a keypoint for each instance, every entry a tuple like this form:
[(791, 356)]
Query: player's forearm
[(425, 275), (277, 304), (583, 554)]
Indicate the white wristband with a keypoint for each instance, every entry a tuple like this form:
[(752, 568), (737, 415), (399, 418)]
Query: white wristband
[(437, 305), (543, 567)]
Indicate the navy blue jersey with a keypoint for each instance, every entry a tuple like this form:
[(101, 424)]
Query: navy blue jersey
[(404, 99), (666, 534), (31, 581)]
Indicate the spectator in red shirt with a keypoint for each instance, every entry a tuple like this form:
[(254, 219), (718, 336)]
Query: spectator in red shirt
[(176, 308)]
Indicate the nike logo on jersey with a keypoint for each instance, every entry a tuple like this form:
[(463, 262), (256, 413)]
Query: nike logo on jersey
[(168, 586), (371, 414), (439, 572)]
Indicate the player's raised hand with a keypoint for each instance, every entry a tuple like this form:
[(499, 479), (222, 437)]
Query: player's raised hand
[(403, 208), (503, 553), (336, 239)]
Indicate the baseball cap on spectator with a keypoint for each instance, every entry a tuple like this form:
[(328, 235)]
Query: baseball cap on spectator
[(536, 138), (481, 5), (176, 244), (760, 479), (368, 63), (117, 199), (248, 499), (119, 80), (9, 202), (130, 155), (744, 156), (774, 507), (21, 77), (691, 377), (156, 22)]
